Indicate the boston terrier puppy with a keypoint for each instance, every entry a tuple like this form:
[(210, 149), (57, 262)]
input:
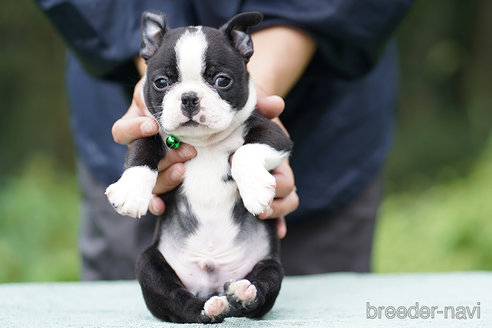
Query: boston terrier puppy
[(211, 256)]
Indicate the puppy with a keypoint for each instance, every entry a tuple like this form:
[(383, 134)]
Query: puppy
[(211, 256)]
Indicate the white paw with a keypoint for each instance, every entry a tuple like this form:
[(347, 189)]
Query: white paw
[(216, 306), (256, 187), (243, 289), (249, 168), (132, 193), (241, 294)]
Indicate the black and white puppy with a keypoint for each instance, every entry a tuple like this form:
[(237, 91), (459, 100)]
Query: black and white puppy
[(211, 257)]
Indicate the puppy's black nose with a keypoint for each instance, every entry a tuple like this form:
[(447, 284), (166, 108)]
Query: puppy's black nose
[(190, 104)]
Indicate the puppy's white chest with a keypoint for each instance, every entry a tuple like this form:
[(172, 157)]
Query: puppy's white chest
[(213, 253), (206, 187)]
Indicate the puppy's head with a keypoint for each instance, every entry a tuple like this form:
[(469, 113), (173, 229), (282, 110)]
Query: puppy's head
[(197, 84)]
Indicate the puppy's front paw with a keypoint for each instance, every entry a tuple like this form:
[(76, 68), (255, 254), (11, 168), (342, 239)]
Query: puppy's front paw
[(256, 187), (258, 192), (249, 168), (215, 309), (241, 294), (132, 193)]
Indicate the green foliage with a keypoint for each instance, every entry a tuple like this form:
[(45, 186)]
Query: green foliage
[(39, 215), (33, 104), (444, 228), (437, 212)]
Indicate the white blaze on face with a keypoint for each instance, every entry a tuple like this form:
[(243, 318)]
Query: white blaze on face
[(215, 113), (190, 56)]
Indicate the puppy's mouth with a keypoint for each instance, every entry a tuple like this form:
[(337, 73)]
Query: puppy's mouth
[(190, 123)]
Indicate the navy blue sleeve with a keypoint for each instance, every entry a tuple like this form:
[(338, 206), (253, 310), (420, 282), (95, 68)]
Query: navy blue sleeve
[(105, 35), (350, 34), (102, 34)]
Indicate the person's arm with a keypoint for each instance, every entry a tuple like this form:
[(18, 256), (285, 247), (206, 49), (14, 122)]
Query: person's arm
[(102, 34), (350, 34), (105, 35), (281, 54)]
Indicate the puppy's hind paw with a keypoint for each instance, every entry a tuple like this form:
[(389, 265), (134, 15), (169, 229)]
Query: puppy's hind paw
[(241, 294), (214, 309)]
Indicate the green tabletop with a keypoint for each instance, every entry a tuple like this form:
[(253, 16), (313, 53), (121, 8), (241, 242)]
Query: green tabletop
[(328, 300)]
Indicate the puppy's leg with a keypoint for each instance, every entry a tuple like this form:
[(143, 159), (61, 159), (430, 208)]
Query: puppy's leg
[(255, 295), (265, 146), (132, 193), (167, 298)]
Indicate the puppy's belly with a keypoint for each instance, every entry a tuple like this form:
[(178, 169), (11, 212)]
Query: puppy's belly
[(213, 255)]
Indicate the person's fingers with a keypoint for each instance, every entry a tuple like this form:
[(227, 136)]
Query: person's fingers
[(284, 178), (281, 227), (138, 105), (171, 174), (128, 129), (136, 123), (270, 106), (184, 153), (281, 207), (157, 205), (169, 179)]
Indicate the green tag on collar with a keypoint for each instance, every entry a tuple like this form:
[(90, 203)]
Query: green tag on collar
[(173, 142)]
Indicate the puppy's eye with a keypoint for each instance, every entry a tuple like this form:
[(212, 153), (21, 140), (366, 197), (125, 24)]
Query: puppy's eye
[(222, 82), (161, 83)]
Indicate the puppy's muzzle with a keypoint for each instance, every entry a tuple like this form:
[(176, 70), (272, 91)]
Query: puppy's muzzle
[(190, 104)]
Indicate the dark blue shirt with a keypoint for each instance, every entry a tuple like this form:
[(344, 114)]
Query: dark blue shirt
[(340, 113)]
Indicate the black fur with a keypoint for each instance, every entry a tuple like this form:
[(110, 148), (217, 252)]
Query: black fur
[(221, 57), (162, 65), (236, 31), (262, 130), (163, 292), (154, 25), (147, 151), (187, 223)]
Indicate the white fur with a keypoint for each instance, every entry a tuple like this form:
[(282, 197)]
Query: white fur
[(215, 306), (202, 136), (132, 193), (190, 55), (217, 113), (250, 166), (214, 243)]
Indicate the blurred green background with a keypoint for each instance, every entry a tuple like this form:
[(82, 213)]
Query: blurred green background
[(437, 212)]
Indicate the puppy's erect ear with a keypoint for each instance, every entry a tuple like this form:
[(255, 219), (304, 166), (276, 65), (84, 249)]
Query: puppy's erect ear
[(236, 30), (154, 26)]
